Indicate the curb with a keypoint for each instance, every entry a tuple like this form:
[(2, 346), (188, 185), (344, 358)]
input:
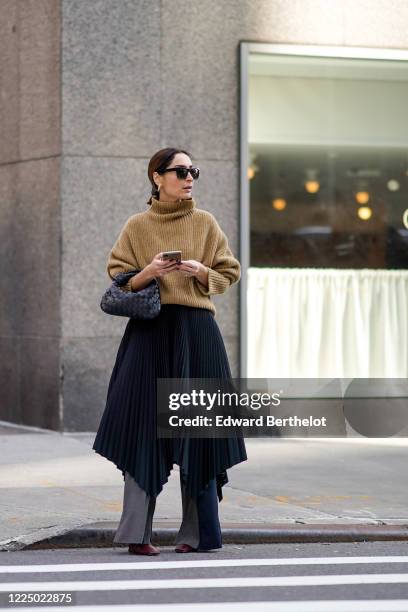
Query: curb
[(101, 536)]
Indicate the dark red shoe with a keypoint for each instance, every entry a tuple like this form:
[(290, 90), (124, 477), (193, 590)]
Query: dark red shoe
[(185, 548), (143, 549)]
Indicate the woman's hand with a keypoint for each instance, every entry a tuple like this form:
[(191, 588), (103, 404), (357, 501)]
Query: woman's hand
[(191, 267), (159, 267)]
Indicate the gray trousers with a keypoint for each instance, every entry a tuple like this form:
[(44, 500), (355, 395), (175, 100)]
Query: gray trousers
[(135, 525)]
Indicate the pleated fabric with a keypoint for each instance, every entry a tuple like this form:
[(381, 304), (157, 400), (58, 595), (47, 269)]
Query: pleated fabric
[(182, 342)]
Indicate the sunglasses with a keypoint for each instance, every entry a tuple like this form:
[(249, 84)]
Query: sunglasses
[(182, 172)]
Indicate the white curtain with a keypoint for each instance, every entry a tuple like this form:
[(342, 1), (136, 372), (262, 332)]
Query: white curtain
[(327, 323)]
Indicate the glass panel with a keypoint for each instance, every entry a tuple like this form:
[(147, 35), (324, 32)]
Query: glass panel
[(328, 192), (327, 206)]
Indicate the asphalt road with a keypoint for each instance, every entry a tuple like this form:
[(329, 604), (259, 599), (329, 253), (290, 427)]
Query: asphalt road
[(369, 576)]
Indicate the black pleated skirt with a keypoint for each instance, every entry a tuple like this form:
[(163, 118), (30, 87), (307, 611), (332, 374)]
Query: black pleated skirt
[(182, 342)]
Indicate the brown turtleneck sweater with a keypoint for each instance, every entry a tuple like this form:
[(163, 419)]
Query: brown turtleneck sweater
[(170, 226)]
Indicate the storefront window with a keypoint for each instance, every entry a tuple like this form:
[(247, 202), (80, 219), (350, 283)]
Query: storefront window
[(326, 238)]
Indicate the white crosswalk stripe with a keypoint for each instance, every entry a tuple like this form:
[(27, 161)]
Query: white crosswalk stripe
[(206, 583), (151, 565), (176, 583)]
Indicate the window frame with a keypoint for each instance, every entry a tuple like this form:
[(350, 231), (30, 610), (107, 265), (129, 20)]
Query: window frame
[(245, 49)]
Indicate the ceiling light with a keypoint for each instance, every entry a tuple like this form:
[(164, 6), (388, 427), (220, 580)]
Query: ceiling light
[(279, 203), (364, 212), (312, 186), (362, 197), (393, 185)]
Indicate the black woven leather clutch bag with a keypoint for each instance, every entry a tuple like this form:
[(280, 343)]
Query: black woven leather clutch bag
[(142, 304)]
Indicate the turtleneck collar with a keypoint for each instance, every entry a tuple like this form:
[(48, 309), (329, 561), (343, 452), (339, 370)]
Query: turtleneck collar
[(172, 209)]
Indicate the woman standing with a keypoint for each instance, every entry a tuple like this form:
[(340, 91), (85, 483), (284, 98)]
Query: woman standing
[(183, 341)]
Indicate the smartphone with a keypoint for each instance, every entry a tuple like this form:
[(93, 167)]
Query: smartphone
[(172, 255)]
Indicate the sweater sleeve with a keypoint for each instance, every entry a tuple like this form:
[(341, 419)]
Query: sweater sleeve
[(122, 257), (225, 268)]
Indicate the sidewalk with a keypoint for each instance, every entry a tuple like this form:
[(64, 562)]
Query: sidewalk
[(57, 492)]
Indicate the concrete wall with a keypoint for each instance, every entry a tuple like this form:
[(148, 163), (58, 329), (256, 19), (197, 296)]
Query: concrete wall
[(30, 265), (136, 75), (136, 79)]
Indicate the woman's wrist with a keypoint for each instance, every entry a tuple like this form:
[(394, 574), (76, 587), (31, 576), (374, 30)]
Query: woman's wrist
[(202, 275), (141, 279)]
